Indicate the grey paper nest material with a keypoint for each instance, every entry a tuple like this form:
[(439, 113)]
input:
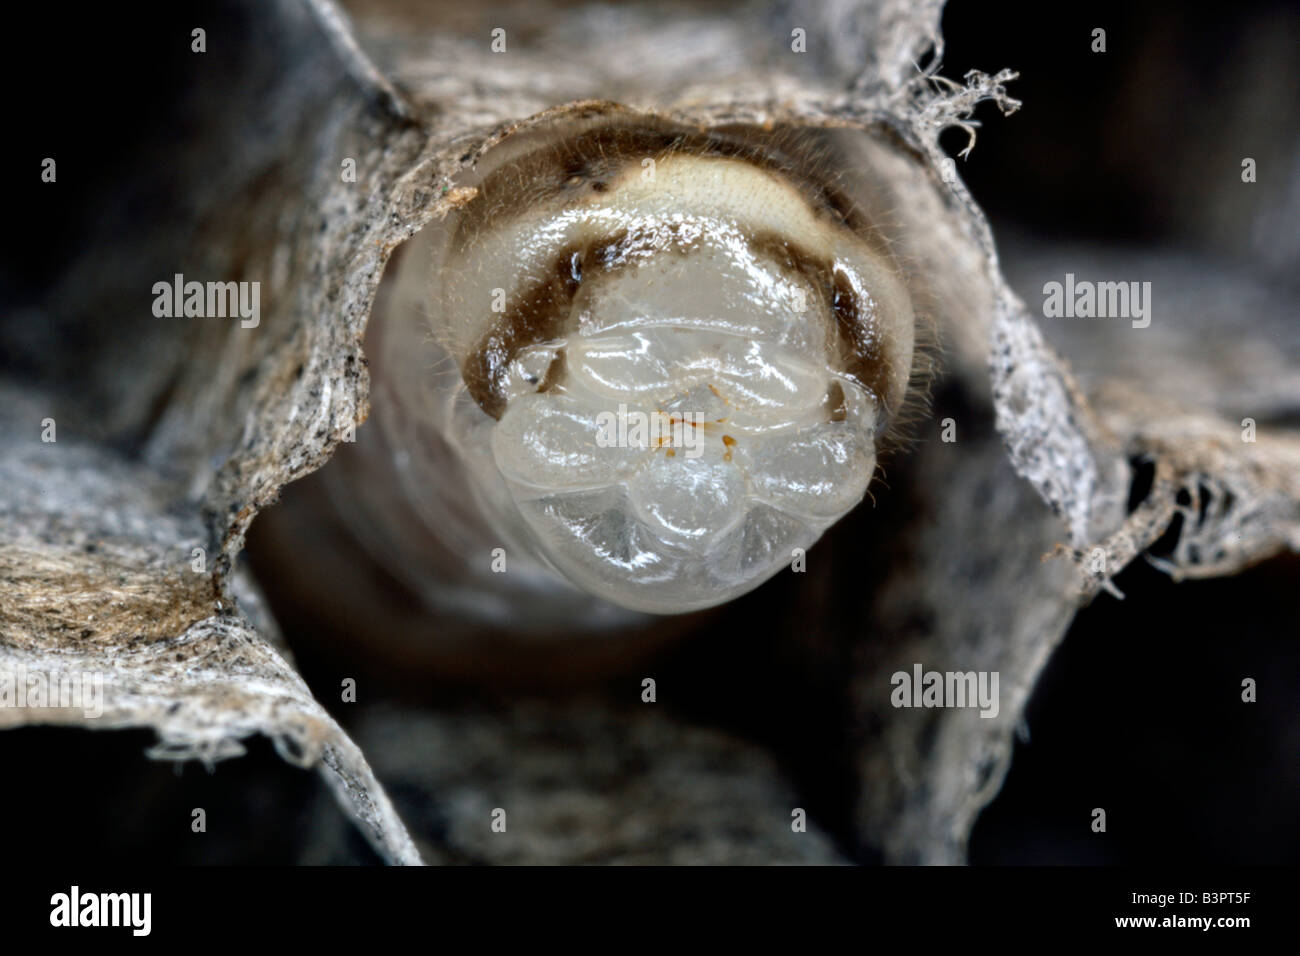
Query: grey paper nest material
[(100, 593), (98, 553)]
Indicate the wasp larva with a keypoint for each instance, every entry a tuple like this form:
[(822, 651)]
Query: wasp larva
[(649, 359)]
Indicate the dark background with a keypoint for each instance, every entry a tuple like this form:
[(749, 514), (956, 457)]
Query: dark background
[(1109, 148)]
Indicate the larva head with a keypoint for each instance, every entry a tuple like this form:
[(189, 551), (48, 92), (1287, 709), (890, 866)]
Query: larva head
[(677, 351)]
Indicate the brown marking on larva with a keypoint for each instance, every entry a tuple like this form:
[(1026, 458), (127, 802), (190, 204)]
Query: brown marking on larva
[(539, 314), (836, 405), (672, 453), (730, 443), (858, 339), (555, 373), (862, 345)]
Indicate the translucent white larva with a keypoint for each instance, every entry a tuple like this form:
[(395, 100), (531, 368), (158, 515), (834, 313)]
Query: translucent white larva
[(647, 360)]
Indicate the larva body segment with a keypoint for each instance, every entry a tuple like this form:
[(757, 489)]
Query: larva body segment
[(661, 358)]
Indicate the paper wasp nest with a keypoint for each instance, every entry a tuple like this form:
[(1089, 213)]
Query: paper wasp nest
[(761, 292)]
